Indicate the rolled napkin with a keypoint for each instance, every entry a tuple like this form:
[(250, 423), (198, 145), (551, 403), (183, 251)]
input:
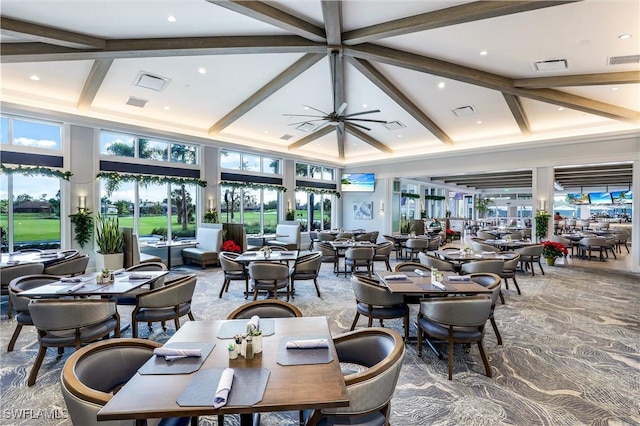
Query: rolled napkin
[(140, 276), (118, 271), (488, 252), (308, 344), (420, 272), (70, 279), (76, 287), (254, 323), (224, 386), (13, 262), (172, 354), (396, 277), (439, 285), (48, 255), (458, 278)]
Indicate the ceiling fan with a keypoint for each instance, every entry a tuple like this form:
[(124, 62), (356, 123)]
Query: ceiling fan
[(336, 118)]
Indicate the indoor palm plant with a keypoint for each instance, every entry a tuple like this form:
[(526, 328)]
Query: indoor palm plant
[(110, 243)]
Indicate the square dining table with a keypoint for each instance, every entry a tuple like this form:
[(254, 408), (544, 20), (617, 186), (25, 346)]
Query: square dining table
[(170, 245), (289, 387), (275, 256), (21, 258)]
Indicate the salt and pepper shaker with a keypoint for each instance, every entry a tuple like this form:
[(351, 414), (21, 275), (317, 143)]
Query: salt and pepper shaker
[(249, 350)]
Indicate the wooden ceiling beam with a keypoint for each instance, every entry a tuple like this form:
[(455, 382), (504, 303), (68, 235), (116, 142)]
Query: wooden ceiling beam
[(519, 114), (161, 47), (460, 14), (488, 80), (49, 35), (376, 77), (628, 77), (325, 130), (332, 14), (367, 139), (267, 90), (93, 82), (262, 12)]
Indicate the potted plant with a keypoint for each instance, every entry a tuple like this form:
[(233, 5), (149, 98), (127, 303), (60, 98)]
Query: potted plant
[(552, 250), (110, 242), (291, 215), (542, 224), (83, 225), (211, 216)]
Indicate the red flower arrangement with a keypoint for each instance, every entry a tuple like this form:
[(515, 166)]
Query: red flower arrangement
[(551, 249), (231, 245)]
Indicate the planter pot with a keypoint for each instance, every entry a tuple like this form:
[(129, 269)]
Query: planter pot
[(109, 261), (550, 260)]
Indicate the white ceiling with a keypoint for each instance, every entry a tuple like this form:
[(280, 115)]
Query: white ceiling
[(585, 33)]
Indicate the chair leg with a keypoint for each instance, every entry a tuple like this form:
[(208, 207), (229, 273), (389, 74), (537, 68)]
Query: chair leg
[(355, 321), (9, 309), (388, 265), (450, 360), (14, 337), (190, 315), (495, 330), (176, 322), (485, 360), (225, 285), (516, 284), (315, 282), (540, 265), (134, 328), (36, 366)]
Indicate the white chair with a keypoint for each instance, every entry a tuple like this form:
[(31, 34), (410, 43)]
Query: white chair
[(287, 235), (207, 250)]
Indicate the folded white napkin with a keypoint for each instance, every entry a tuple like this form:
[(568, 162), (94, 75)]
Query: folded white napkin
[(76, 287), (396, 277), (489, 252), (118, 271), (47, 255), (140, 276), (308, 344), (13, 262), (420, 272), (254, 323), (460, 278), (224, 386), (70, 279), (172, 354), (439, 285)]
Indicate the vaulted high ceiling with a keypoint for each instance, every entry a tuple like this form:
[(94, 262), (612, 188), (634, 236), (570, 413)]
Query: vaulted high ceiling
[(445, 75)]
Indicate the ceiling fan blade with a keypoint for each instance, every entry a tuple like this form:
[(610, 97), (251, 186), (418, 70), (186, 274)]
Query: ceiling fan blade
[(358, 125), (340, 110), (350, 120), (301, 115), (315, 109), (362, 112)]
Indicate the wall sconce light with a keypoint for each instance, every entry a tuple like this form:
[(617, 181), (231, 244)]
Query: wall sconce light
[(82, 203), (212, 203), (382, 206), (288, 204), (542, 204)]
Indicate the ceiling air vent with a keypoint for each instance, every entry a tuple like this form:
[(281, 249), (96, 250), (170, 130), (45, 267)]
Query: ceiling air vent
[(622, 60), (464, 111), (394, 125), (306, 127), (137, 102), (286, 137), (150, 81), (551, 65)]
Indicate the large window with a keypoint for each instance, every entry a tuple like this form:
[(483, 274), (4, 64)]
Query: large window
[(233, 160), (313, 210), (125, 145), (31, 133)]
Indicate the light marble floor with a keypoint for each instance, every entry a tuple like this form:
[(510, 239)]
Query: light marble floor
[(570, 355)]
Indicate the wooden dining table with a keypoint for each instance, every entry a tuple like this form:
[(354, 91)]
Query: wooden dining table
[(288, 387), (275, 256), (420, 285)]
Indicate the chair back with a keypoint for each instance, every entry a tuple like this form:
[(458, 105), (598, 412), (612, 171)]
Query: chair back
[(485, 235), (11, 272), (269, 308), (150, 266), (478, 246), (533, 252), (374, 236), (463, 311), (359, 253), (27, 282), (327, 252), (69, 267), (491, 282), (434, 262), (172, 294), (326, 236), (381, 351), (370, 292), (50, 315), (417, 244), (410, 267), (92, 374), (434, 243), (268, 271), (228, 263), (307, 264), (494, 266), (383, 250), (511, 260)]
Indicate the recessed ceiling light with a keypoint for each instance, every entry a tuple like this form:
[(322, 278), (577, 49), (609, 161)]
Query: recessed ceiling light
[(399, 136), (624, 36), (202, 70), (441, 85), (364, 105), (484, 53), (171, 18), (615, 89), (266, 132), (166, 108), (35, 78), (478, 122), (560, 108), (306, 107)]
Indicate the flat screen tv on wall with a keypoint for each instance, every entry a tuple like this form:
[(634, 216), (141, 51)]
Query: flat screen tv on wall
[(576, 198), (358, 182), (622, 197), (600, 198)]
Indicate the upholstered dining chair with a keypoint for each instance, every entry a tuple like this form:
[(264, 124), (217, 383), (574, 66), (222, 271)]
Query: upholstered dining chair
[(129, 298), (328, 254), (268, 308), (21, 304), (68, 267), (70, 323), (376, 302), (455, 320), (269, 277), (413, 246), (382, 253), (493, 266), (480, 246), (491, 282), (306, 267), (93, 374), (435, 262), (9, 273), (483, 235), (530, 255), (379, 354), (356, 257), (170, 302), (233, 271), (410, 267), (509, 270)]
